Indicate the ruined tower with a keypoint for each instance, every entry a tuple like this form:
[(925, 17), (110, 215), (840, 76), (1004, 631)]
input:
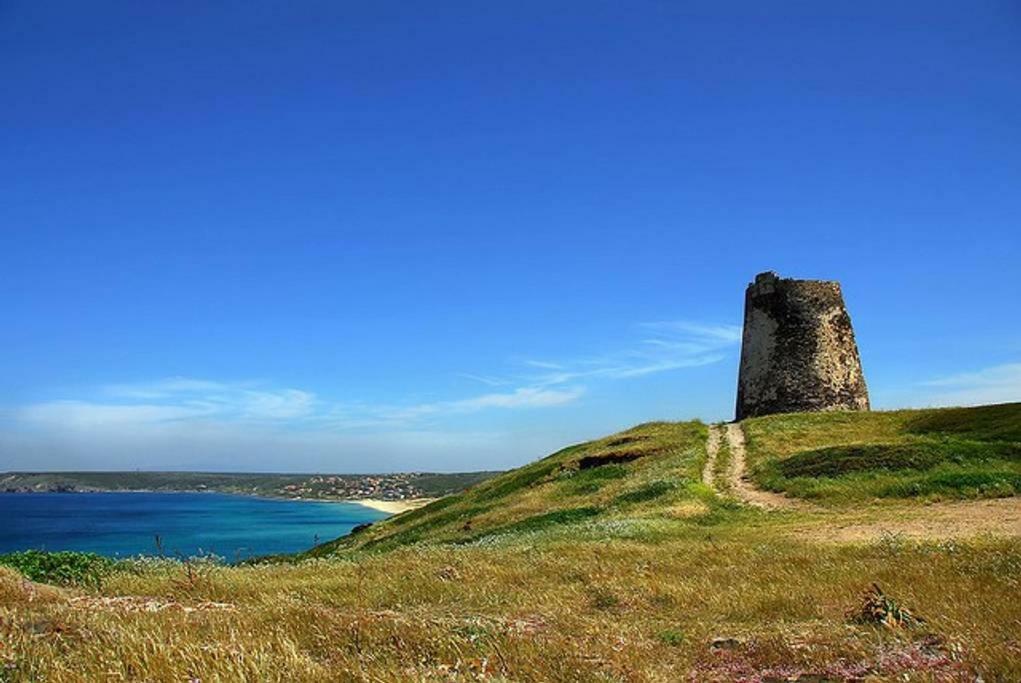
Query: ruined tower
[(798, 351)]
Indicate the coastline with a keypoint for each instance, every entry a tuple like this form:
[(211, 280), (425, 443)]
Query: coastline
[(394, 507)]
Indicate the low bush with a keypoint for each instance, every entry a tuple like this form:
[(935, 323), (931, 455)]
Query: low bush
[(65, 568), (879, 609)]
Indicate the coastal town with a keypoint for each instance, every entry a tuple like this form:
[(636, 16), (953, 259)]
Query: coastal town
[(385, 488), (393, 487)]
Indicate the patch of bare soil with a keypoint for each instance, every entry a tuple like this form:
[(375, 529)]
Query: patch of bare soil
[(934, 521), (743, 487)]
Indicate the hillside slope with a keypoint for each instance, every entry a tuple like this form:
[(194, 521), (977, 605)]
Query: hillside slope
[(833, 458), (649, 479), (652, 469), (612, 560)]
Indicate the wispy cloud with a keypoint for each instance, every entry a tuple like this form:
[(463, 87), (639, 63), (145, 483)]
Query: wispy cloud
[(189, 415), (523, 397), (396, 416), (483, 379), (246, 400), (181, 399), (85, 415), (708, 335), (996, 384), (664, 346)]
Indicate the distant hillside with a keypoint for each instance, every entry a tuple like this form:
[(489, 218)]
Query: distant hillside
[(318, 486)]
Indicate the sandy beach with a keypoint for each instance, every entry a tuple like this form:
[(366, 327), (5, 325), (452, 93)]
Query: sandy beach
[(393, 506)]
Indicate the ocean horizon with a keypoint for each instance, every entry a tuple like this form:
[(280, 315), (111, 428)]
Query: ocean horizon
[(173, 524)]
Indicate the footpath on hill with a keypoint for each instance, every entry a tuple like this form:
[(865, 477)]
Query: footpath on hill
[(868, 522), (737, 473)]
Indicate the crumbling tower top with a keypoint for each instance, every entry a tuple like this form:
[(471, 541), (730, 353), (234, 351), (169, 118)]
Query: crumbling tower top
[(798, 351)]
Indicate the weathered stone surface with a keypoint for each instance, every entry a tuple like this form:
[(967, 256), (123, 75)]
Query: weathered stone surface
[(798, 351)]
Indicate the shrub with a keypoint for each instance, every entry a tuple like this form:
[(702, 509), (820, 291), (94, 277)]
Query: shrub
[(66, 568), (879, 609)]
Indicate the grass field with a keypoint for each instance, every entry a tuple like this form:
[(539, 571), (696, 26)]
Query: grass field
[(850, 457), (606, 561)]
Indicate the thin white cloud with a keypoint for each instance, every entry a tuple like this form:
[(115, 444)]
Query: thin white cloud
[(667, 345), (360, 416), (996, 384), (229, 400), (279, 405), (483, 379), (85, 415), (524, 397), (166, 420), (543, 365), (166, 387), (179, 399), (716, 333)]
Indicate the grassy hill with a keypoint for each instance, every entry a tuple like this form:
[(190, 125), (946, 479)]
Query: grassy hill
[(607, 561), (648, 478), (652, 468), (931, 454)]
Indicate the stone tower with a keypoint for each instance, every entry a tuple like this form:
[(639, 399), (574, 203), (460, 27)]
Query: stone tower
[(798, 351)]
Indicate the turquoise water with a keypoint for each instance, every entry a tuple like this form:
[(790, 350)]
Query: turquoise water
[(126, 524)]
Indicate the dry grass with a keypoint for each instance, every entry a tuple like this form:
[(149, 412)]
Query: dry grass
[(556, 610), (644, 469), (623, 569)]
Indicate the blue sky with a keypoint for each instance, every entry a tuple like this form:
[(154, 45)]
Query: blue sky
[(331, 236)]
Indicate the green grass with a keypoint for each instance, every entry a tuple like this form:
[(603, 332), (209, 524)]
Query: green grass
[(649, 465), (847, 457), (1000, 422), (580, 483), (539, 522), (645, 493), (64, 568), (721, 468)]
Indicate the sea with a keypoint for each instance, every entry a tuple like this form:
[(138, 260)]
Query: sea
[(182, 525)]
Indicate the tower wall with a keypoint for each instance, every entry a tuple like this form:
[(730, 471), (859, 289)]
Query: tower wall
[(798, 351)]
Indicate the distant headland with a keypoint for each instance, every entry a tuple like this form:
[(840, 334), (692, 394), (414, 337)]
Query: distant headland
[(393, 493)]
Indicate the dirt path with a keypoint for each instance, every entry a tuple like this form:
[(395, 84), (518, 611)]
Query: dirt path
[(867, 522), (712, 449), (742, 487)]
